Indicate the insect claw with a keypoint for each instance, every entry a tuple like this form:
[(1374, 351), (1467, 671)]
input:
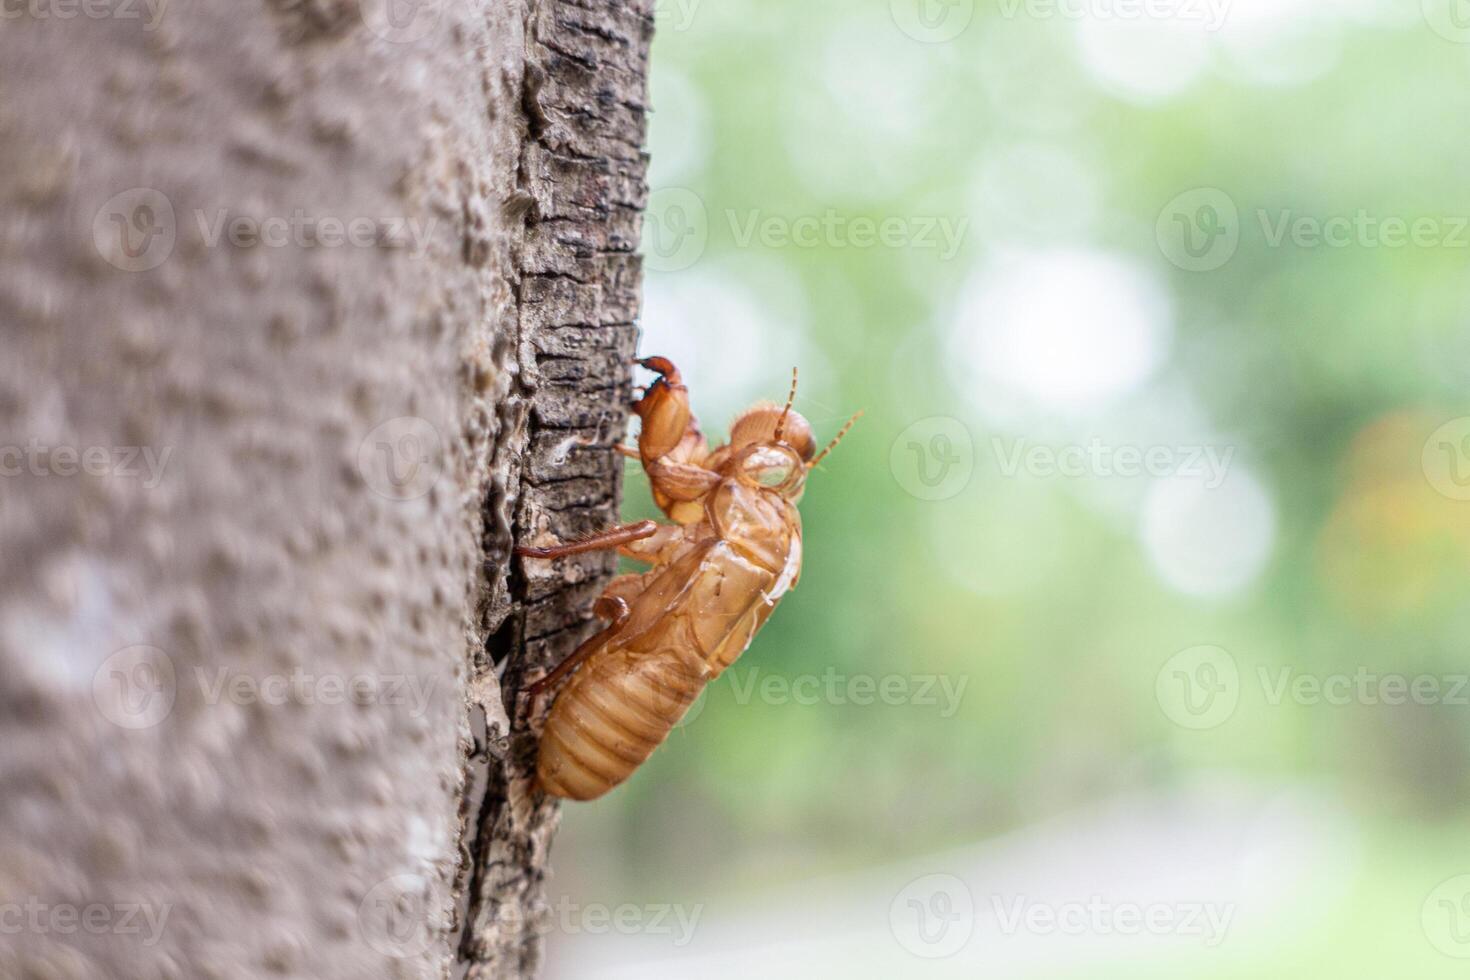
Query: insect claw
[(661, 365)]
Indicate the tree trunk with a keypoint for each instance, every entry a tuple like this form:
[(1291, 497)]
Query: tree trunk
[(307, 307)]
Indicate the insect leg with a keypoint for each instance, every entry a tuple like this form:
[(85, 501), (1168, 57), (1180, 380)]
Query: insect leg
[(608, 607), (663, 411), (611, 538)]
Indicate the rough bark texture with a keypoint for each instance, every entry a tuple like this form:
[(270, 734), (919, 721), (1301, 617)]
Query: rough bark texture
[(254, 694)]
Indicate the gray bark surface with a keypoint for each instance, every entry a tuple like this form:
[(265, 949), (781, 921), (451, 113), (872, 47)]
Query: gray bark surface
[(260, 627)]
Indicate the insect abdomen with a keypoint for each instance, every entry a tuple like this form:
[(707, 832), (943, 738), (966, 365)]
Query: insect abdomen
[(610, 717)]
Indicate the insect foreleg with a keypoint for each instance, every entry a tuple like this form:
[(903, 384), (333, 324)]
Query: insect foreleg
[(611, 538), (609, 607), (663, 411)]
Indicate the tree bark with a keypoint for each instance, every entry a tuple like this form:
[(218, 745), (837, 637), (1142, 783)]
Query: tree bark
[(308, 309)]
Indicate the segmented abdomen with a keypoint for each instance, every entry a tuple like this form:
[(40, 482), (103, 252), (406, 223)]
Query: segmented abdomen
[(683, 629), (610, 717)]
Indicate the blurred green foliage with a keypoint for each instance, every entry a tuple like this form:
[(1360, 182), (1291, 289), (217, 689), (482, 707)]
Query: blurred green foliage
[(1324, 368)]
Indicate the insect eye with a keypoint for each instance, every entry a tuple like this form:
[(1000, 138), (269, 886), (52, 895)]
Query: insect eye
[(773, 476), (769, 468)]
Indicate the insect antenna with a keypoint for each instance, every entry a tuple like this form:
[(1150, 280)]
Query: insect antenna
[(781, 422), (836, 439)]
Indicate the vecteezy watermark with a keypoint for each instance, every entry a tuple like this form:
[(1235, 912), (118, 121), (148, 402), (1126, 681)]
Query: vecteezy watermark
[(1450, 19), (1201, 229), (1201, 687), (1097, 916), (149, 12), (1363, 229), (1363, 686), (1098, 459), (571, 918), (394, 916), (138, 230), (932, 21), (1211, 14), (941, 692), (402, 21), (135, 688), (135, 230), (402, 458), (302, 230), (934, 458), (1446, 459), (225, 685), (34, 916), (933, 917), (1445, 917), (832, 229), (143, 463), (675, 15), (1198, 688), (675, 229)]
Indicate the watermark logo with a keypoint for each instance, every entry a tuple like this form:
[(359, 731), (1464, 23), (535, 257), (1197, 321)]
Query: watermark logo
[(675, 15), (932, 21), (138, 230), (135, 231), (1363, 229), (394, 916), (143, 463), (1208, 464), (1097, 916), (301, 229), (402, 21), (150, 12), (1199, 231), (1199, 688), (570, 918), (675, 229), (135, 688), (402, 459), (225, 685), (1209, 14), (933, 917), (832, 229), (941, 692), (94, 918), (1363, 687), (669, 696), (1445, 917), (1450, 19), (1446, 459), (934, 458), (696, 709)]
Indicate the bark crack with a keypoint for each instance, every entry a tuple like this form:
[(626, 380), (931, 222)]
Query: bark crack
[(575, 297)]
